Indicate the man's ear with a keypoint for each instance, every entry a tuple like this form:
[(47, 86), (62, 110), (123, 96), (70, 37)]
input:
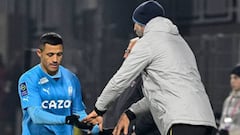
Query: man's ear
[(39, 52)]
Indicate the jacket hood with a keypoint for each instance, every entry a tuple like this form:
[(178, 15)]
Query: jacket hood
[(161, 24)]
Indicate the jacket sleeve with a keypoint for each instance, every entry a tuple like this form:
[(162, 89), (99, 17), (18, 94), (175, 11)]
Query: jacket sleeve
[(133, 65), (222, 123), (139, 107)]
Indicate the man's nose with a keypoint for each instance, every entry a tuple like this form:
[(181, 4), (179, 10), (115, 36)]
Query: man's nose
[(55, 58)]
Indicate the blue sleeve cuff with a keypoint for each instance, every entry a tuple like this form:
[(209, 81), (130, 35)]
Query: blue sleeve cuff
[(95, 130), (82, 114)]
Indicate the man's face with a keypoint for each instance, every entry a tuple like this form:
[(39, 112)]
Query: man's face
[(235, 82), (138, 30), (51, 58)]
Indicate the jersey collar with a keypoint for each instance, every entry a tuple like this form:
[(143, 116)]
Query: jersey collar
[(56, 76)]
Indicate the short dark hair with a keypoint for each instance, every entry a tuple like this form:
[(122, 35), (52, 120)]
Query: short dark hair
[(50, 38), (236, 71)]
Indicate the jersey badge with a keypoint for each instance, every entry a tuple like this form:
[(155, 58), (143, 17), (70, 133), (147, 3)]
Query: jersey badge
[(23, 89)]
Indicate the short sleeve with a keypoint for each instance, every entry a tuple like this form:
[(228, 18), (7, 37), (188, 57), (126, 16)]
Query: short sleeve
[(28, 92)]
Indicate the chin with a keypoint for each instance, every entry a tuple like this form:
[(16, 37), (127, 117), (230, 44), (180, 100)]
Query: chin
[(52, 71), (236, 89)]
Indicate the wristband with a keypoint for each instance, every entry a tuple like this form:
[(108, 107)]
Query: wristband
[(131, 116), (99, 113)]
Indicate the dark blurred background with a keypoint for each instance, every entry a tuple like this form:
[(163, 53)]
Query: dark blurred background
[(95, 34)]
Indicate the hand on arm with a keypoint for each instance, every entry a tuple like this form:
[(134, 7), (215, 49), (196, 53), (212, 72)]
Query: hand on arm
[(96, 118), (85, 126), (89, 127)]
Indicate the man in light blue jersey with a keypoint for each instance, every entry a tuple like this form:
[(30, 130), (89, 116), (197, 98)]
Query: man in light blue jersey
[(50, 94)]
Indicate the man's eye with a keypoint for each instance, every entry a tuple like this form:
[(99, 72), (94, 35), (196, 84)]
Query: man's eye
[(50, 54), (59, 54)]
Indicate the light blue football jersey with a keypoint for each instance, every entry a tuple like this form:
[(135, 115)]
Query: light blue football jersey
[(59, 95)]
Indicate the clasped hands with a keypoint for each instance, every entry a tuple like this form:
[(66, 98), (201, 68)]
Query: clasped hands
[(122, 125)]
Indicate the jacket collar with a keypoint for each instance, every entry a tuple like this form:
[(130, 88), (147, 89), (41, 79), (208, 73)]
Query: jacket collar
[(161, 24), (235, 93)]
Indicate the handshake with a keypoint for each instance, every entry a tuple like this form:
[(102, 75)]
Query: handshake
[(73, 120)]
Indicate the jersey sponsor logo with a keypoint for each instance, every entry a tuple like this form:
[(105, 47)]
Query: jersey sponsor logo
[(23, 89), (56, 104), (46, 90)]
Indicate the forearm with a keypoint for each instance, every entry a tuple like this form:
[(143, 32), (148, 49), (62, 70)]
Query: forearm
[(40, 116), (117, 85), (110, 93), (139, 107), (134, 64)]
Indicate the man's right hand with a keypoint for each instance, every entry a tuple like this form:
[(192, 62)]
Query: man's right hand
[(72, 119), (130, 46), (94, 119)]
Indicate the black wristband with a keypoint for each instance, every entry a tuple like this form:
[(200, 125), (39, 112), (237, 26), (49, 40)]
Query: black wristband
[(131, 116), (99, 113)]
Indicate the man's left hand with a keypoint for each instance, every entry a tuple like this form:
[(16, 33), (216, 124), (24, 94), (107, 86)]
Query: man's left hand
[(122, 125)]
